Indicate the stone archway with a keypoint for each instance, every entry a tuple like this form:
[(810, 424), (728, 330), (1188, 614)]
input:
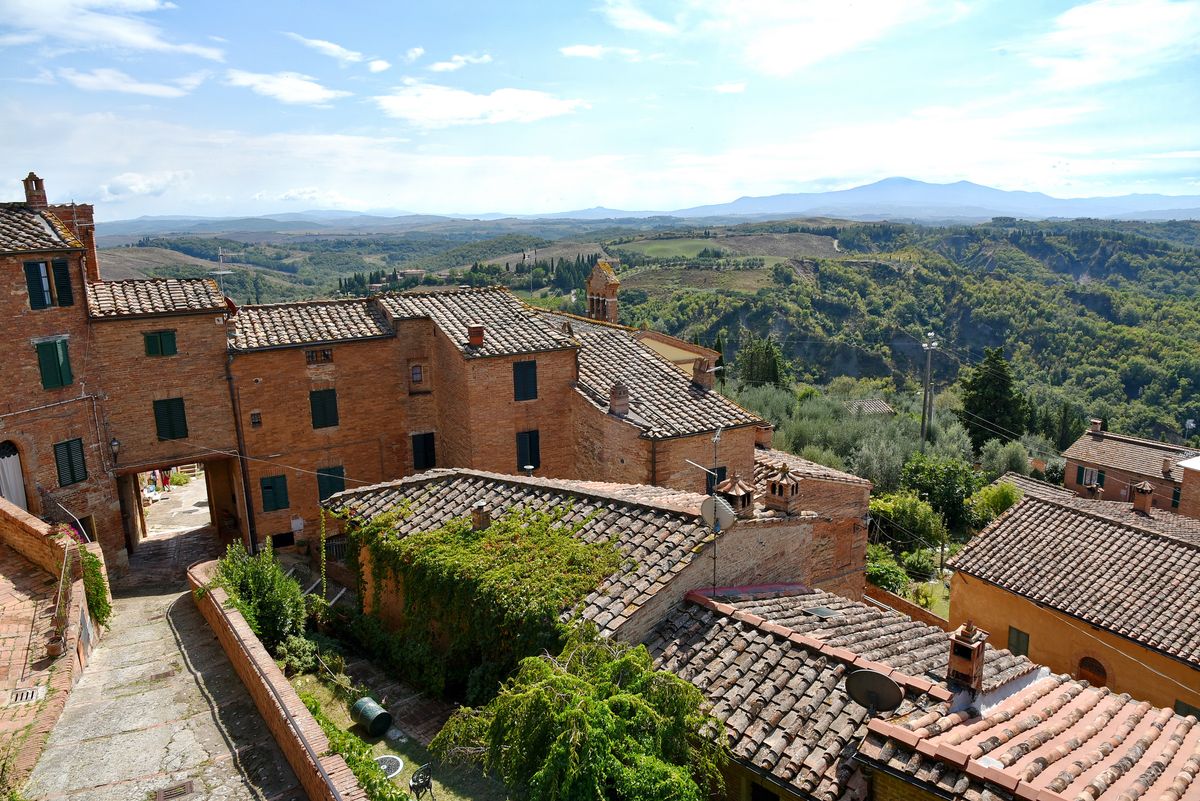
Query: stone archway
[(12, 478)]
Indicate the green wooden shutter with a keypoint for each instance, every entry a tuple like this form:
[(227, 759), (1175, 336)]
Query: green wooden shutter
[(323, 403), (268, 493), (38, 298), (524, 380), (1175, 497), (178, 419), (62, 282), (1100, 478), (1079, 475), (153, 344), (281, 492), (167, 343), (330, 480), (78, 465), (64, 363), (162, 419), (47, 353), (62, 461)]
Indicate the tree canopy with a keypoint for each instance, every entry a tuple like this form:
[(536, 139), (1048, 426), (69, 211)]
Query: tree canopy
[(760, 361), (992, 407), (595, 723)]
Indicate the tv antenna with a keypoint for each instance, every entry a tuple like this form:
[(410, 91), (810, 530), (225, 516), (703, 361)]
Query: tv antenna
[(875, 691), (221, 272)]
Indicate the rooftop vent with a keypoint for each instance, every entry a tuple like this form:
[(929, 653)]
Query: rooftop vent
[(968, 647), (739, 493), (481, 516), (703, 373), (1143, 497), (822, 612), (1168, 465), (618, 399), (1097, 425)]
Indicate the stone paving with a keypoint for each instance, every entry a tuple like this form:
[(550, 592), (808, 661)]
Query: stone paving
[(160, 704)]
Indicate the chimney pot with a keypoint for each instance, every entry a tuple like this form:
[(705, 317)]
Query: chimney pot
[(1097, 425), (968, 647), (481, 516), (35, 192), (1168, 465), (1143, 497), (618, 399), (475, 335), (702, 373)]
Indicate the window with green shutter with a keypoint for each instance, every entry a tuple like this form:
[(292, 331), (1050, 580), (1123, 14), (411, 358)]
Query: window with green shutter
[(274, 493), (160, 343), (37, 280), (1018, 642), (324, 407), (330, 481), (529, 453), (62, 282), (54, 363), (1079, 475), (170, 418), (524, 380), (1100, 478), (68, 458), (1175, 497)]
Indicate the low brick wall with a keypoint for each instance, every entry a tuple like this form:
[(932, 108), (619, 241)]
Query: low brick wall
[(907, 607), (30, 537), (259, 673)]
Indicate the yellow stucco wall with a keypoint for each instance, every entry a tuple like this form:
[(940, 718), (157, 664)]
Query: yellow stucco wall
[(1059, 642)]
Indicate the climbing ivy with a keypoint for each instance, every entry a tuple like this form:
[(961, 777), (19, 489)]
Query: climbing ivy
[(476, 602), (358, 755), (95, 588)]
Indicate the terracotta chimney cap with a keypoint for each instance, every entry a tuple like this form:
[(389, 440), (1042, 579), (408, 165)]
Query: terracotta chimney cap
[(475, 334), (481, 516), (618, 398), (1097, 425), (735, 485), (35, 191)]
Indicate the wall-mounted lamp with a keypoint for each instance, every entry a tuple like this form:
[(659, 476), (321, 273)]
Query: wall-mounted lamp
[(114, 445)]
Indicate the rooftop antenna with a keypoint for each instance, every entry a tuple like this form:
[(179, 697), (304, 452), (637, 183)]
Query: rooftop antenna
[(221, 272), (715, 511), (875, 691)]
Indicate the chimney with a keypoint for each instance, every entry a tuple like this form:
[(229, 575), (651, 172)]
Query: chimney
[(968, 647), (739, 493), (475, 335), (35, 192), (618, 399), (783, 492), (763, 434), (1097, 425), (481, 516), (702, 373), (1143, 497), (1168, 465)]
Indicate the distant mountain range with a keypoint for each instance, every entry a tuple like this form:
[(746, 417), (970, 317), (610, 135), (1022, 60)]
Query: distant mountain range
[(901, 199)]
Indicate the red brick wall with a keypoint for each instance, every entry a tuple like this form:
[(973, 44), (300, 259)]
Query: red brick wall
[(735, 452), (608, 448), (907, 607), (839, 537), (370, 440), (258, 672), (1189, 501)]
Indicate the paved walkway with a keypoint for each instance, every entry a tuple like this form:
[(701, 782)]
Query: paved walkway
[(160, 704)]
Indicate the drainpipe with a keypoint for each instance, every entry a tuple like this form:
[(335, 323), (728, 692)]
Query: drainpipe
[(242, 462)]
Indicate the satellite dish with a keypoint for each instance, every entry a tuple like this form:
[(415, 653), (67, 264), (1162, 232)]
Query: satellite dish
[(717, 513), (875, 691)]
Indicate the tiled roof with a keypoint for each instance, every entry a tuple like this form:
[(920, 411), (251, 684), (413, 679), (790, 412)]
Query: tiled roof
[(109, 299), (284, 325), (657, 529), (1143, 457), (1058, 740), (869, 406), (27, 230), (511, 327), (767, 463), (775, 675), (1031, 486), (663, 401), (1110, 568)]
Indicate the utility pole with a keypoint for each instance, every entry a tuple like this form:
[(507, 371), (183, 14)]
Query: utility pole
[(929, 346)]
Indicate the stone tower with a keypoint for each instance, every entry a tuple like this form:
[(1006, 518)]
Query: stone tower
[(602, 286)]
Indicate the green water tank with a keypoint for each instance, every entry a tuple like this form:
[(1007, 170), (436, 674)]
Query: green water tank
[(371, 716)]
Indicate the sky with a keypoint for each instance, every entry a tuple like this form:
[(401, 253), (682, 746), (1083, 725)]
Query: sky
[(206, 107)]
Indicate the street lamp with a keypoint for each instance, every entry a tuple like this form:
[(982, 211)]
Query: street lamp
[(114, 445)]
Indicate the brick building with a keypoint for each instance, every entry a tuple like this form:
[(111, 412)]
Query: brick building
[(1104, 465)]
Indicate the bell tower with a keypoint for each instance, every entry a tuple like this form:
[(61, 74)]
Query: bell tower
[(602, 286)]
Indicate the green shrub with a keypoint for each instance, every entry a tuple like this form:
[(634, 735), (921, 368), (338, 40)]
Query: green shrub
[(992, 501), (907, 522), (919, 565), (271, 602), (883, 571), (944, 483), (180, 479), (296, 654), (95, 588)]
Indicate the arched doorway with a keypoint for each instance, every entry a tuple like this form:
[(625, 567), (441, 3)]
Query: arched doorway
[(1091, 671), (12, 480)]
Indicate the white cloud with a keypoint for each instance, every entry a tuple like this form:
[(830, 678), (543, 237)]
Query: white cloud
[(730, 88), (457, 62), (433, 106), (286, 87), (599, 51), (341, 54), (94, 24), (140, 184), (110, 80), (626, 15), (413, 53), (1114, 40), (378, 65)]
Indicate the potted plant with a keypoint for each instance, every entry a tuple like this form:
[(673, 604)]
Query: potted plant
[(57, 643)]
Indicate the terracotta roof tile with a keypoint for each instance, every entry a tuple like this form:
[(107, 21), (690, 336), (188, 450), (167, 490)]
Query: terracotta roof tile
[(109, 299), (511, 327), (1031, 486), (781, 696), (309, 323), (767, 463), (869, 406), (658, 528), (1057, 739), (1143, 457), (27, 230), (1110, 567)]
